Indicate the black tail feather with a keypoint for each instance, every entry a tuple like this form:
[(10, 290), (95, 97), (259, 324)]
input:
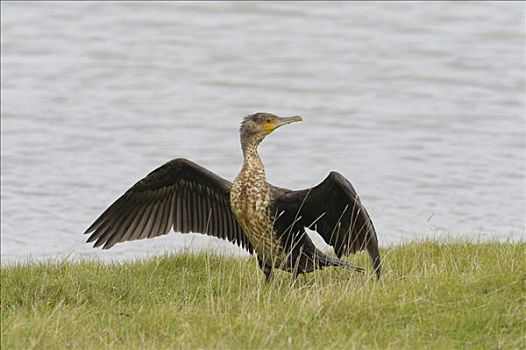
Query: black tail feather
[(346, 265)]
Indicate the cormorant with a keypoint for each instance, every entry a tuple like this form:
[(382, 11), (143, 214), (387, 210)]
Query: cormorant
[(263, 219)]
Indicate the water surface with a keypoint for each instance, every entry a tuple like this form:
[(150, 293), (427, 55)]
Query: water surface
[(420, 105)]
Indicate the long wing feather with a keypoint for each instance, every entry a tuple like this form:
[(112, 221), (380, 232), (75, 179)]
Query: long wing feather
[(181, 195), (335, 211)]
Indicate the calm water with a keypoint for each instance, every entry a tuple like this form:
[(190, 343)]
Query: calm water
[(421, 105)]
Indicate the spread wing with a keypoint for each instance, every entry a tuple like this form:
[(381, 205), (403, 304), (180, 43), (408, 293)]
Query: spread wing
[(335, 211), (181, 195)]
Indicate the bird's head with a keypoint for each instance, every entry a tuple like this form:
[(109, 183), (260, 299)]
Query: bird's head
[(256, 126)]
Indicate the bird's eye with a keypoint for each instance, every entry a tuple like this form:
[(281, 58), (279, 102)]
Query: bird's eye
[(268, 120)]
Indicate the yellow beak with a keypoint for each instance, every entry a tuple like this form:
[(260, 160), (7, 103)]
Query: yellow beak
[(269, 127)]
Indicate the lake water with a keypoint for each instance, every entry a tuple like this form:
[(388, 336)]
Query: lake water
[(420, 105)]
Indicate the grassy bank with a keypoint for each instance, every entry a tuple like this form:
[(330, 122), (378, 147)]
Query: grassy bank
[(453, 295)]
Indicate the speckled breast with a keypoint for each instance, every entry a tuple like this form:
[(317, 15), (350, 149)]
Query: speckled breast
[(250, 198)]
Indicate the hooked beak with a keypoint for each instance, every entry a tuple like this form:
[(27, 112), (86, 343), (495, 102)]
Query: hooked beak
[(276, 123), (288, 120)]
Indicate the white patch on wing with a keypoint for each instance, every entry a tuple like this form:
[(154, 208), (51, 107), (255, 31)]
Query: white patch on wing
[(319, 242)]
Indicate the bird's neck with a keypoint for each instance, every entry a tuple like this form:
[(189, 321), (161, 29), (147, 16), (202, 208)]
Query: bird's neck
[(252, 164), (249, 145)]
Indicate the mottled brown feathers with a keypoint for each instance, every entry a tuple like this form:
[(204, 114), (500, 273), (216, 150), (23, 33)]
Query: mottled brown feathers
[(250, 201)]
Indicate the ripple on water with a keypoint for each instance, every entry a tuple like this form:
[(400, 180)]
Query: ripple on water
[(421, 107)]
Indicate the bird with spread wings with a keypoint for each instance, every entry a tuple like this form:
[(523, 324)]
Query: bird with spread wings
[(263, 219)]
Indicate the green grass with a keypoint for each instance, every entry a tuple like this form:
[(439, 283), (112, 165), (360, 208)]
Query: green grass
[(437, 296)]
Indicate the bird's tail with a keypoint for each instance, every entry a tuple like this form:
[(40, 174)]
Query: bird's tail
[(330, 261)]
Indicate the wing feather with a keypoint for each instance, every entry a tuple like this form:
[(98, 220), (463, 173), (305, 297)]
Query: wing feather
[(335, 211), (180, 195)]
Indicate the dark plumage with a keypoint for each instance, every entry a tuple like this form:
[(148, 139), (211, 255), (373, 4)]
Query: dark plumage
[(257, 216)]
